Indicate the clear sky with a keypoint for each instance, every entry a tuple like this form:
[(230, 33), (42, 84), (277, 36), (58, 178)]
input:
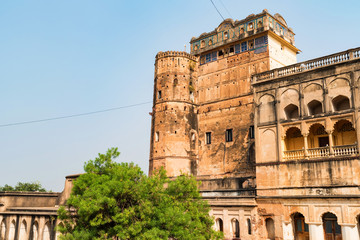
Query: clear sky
[(67, 57)]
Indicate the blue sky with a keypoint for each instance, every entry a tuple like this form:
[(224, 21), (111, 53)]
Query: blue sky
[(66, 57)]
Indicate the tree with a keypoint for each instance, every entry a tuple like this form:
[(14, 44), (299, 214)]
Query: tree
[(24, 187), (118, 201)]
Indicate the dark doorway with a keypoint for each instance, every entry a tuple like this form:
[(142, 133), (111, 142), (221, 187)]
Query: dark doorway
[(332, 229), (301, 228), (323, 141)]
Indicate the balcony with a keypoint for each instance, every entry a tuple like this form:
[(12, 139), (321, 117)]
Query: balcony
[(321, 152)]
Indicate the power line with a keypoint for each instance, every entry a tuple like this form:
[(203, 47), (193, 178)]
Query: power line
[(225, 8), (74, 115), (217, 9)]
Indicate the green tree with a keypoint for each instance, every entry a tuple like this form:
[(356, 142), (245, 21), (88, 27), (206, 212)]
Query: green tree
[(24, 187), (118, 201)]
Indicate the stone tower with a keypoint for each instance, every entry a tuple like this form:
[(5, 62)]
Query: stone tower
[(203, 116), (174, 122)]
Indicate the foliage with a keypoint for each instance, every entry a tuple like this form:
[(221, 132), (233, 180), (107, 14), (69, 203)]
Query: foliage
[(118, 201), (24, 187)]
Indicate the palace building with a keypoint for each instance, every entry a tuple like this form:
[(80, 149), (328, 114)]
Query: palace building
[(273, 142)]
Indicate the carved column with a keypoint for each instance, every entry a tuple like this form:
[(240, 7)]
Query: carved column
[(331, 143), (306, 154)]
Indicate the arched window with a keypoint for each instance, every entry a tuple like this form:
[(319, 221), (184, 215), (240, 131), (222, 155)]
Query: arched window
[(294, 139), (301, 229), (331, 227), (341, 103), (3, 229), (270, 228), (251, 26), (259, 24), (46, 233), (210, 42), (249, 226), (12, 230), (235, 227), (291, 111), (22, 234), (202, 44), (315, 107), (242, 30), (219, 225), (226, 35), (35, 231)]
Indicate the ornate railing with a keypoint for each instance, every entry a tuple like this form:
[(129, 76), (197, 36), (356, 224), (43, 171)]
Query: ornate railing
[(319, 152), (345, 150), (308, 65), (294, 154)]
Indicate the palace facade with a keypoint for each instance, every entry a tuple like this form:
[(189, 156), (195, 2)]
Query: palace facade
[(273, 142)]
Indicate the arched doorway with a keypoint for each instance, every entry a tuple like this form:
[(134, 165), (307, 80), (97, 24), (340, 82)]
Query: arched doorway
[(270, 228), (46, 232), (332, 229), (235, 227), (35, 231), (301, 229), (219, 225), (12, 230), (22, 234), (3, 229)]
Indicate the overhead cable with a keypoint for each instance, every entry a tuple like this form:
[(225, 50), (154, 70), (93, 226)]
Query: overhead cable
[(73, 115)]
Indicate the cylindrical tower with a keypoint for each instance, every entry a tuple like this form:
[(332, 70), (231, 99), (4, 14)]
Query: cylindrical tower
[(174, 120)]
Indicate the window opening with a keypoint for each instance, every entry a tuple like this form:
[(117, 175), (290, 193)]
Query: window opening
[(221, 53), (231, 49), (251, 132), (243, 46), (229, 135), (237, 48), (159, 94), (251, 44), (208, 138), (156, 136), (249, 226)]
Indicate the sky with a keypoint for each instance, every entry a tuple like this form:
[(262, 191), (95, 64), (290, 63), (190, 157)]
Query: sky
[(60, 58)]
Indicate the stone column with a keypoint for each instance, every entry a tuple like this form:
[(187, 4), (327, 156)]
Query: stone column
[(331, 143), (349, 232), (316, 231), (306, 154)]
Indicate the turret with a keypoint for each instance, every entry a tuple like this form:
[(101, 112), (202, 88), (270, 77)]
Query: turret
[(174, 120)]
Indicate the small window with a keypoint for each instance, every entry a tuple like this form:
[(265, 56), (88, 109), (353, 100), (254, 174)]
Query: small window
[(243, 46), (251, 26), (159, 94), (208, 138), (259, 24), (251, 132), (231, 49), (210, 42), (237, 48), (220, 53), (191, 96), (249, 226), (242, 30), (251, 44), (229, 135), (226, 36), (156, 136), (202, 44)]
